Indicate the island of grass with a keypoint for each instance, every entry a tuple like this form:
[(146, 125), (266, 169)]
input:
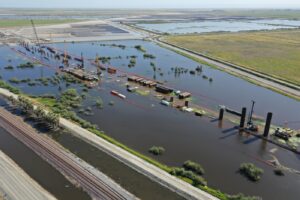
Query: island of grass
[(155, 150), (252, 172), (7, 23), (274, 53)]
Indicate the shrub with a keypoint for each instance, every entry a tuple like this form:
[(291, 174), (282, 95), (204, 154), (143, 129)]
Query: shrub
[(241, 196), (149, 56), (181, 172), (251, 171), (140, 48), (157, 150), (9, 67), (99, 103), (26, 65), (14, 80), (195, 167)]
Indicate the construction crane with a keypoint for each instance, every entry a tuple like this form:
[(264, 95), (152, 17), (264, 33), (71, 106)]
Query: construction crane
[(36, 35), (250, 125), (38, 44)]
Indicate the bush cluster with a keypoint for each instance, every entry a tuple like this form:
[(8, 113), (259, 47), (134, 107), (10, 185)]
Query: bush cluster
[(182, 172), (157, 150), (26, 65), (251, 171), (195, 167)]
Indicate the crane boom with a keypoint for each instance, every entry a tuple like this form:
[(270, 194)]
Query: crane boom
[(35, 33)]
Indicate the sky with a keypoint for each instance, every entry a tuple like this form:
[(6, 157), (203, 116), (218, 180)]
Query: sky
[(150, 3)]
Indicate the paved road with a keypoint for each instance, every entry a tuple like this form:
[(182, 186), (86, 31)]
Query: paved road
[(17, 185)]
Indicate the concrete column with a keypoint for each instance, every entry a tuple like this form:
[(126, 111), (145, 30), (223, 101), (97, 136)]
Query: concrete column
[(243, 117), (268, 124), (221, 114)]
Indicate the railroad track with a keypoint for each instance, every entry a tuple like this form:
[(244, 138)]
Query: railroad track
[(56, 156)]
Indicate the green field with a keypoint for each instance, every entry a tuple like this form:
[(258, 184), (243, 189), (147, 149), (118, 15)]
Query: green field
[(275, 53), (7, 23)]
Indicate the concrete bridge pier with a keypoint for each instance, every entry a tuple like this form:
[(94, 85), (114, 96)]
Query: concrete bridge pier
[(243, 117), (268, 124), (221, 114)]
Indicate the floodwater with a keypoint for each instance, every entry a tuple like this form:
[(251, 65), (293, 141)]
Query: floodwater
[(224, 90), (38, 169), (129, 179), (132, 181), (207, 26), (141, 122)]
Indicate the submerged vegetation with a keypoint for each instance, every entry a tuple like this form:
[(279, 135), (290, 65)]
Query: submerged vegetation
[(132, 62), (114, 45), (155, 150), (26, 65), (251, 171), (99, 103), (140, 48), (105, 59), (9, 67), (183, 173), (195, 167), (149, 56)]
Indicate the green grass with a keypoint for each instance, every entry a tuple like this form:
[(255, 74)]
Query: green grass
[(275, 53), (6, 23), (146, 158), (50, 102)]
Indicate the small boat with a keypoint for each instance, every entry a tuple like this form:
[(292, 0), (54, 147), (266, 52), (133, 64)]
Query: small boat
[(165, 102), (113, 92)]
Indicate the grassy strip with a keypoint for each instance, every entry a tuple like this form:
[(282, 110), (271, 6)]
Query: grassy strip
[(6, 23), (142, 156), (10, 88)]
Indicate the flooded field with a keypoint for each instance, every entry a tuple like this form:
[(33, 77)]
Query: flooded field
[(207, 26), (141, 122)]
